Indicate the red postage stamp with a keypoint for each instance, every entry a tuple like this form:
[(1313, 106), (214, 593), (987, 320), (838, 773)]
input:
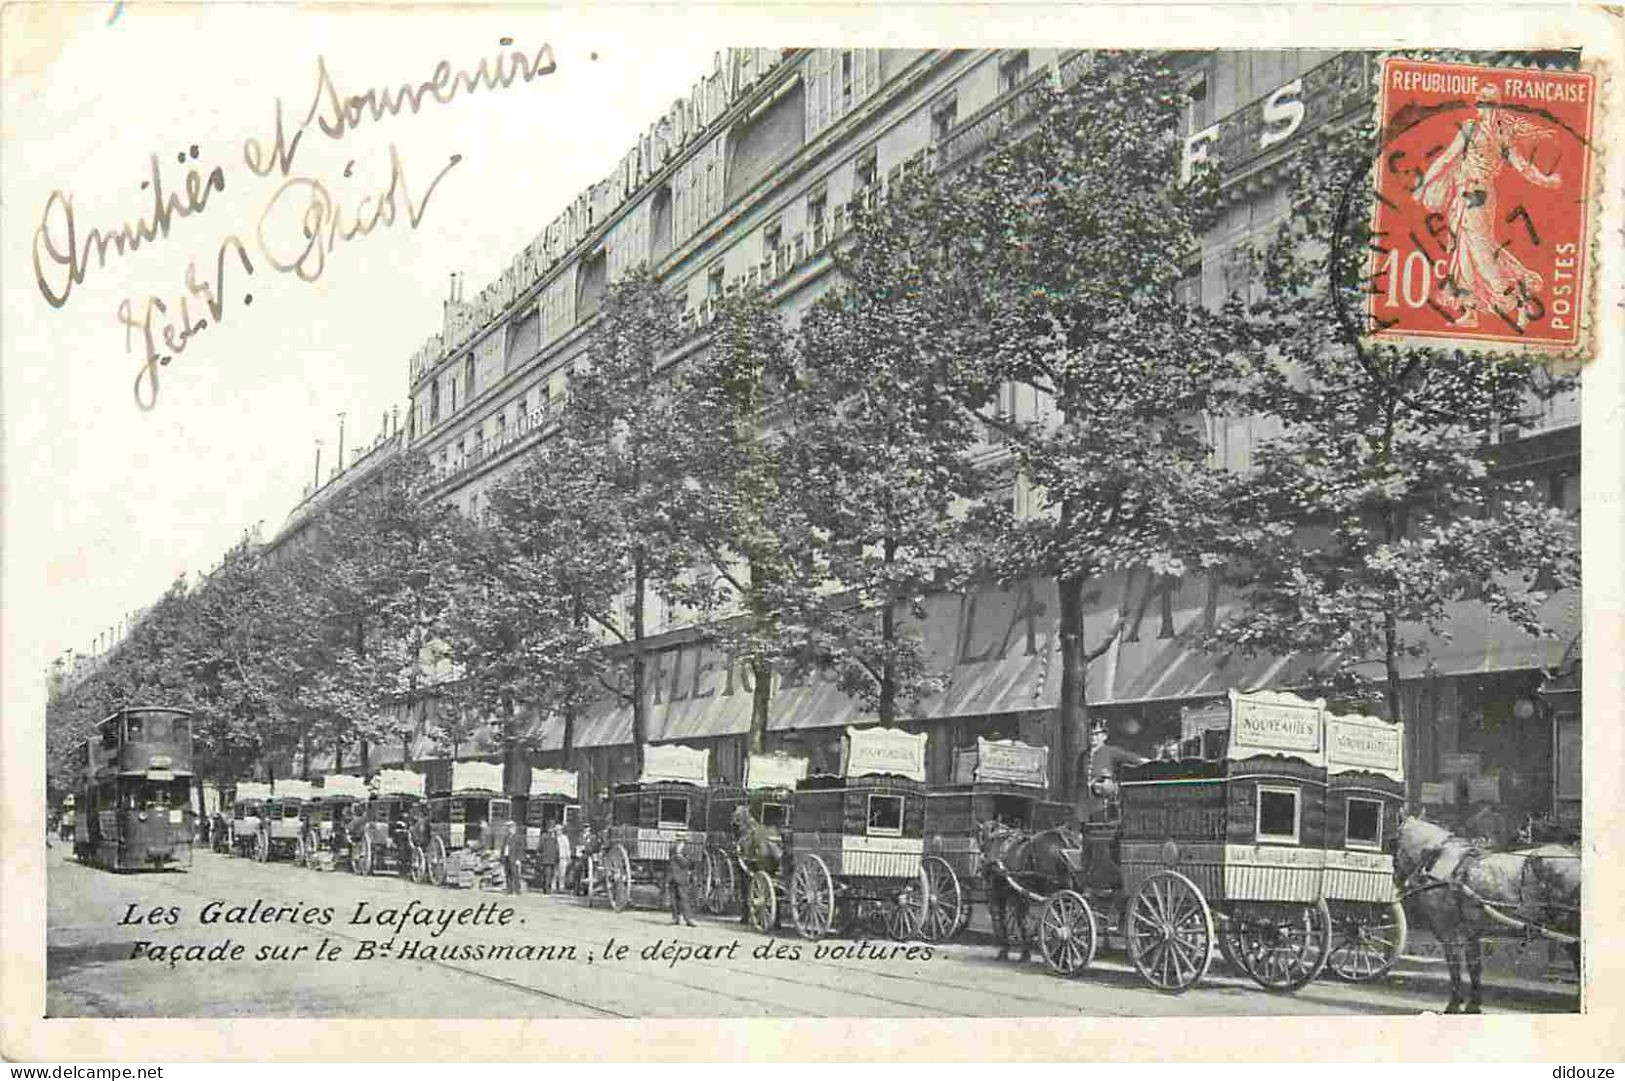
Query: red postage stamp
[(1480, 228)]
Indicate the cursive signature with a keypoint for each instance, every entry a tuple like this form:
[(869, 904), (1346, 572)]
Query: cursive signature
[(324, 224), (57, 237)]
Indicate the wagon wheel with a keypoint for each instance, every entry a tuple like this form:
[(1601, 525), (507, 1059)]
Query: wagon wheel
[(905, 918), (419, 863), (1366, 940), (369, 856), (1067, 935), (1229, 947), (618, 877), (721, 886), (945, 909), (435, 861), (262, 847), (1283, 946), (812, 897), (1169, 929), (763, 902)]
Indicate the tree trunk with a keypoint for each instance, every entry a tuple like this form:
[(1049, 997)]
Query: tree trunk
[(366, 756), (761, 671), (304, 753), (1072, 712), (888, 668), (640, 731), (761, 692), (338, 756)]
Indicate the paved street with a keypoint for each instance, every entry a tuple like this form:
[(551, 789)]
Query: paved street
[(91, 972)]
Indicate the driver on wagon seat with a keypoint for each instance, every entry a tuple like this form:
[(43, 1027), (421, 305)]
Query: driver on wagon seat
[(1097, 775)]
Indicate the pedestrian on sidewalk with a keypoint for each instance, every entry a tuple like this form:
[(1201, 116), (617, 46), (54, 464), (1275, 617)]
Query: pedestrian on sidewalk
[(564, 858), (677, 870), (550, 858), (513, 859)]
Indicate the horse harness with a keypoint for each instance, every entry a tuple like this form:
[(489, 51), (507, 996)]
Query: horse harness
[(1448, 865)]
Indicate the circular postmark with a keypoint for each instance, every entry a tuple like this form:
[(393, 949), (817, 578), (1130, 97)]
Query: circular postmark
[(1470, 219)]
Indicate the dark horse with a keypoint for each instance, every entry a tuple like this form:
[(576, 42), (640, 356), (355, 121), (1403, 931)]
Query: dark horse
[(758, 850), (1017, 870), (1465, 894)]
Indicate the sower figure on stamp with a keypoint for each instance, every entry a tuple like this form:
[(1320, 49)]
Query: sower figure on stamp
[(677, 872)]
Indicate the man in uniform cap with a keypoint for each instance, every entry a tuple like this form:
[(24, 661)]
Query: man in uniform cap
[(1097, 778)]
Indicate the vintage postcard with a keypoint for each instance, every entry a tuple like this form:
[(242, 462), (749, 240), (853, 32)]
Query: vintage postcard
[(771, 528)]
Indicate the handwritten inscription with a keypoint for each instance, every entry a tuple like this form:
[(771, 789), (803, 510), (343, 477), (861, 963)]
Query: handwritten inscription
[(305, 221)]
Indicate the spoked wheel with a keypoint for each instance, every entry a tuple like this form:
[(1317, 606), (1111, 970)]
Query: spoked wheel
[(262, 848), (368, 860), (1282, 946), (618, 877), (763, 902), (1067, 935), (299, 851), (945, 910), (419, 865), (435, 861), (812, 897), (905, 917), (1169, 929), (722, 889), (1366, 939)]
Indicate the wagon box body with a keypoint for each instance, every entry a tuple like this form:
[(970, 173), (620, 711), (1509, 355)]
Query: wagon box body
[(1365, 803), (650, 818), (1248, 826), (862, 827)]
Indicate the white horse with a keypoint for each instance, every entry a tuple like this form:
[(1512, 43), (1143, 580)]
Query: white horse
[(1465, 894)]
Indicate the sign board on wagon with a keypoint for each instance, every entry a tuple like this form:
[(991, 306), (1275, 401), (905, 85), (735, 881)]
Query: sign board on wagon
[(1369, 743), (293, 789), (1012, 762), (253, 790), (397, 782), (774, 771), (554, 782), (476, 777), (345, 784), (1277, 722), (675, 762), (868, 751)]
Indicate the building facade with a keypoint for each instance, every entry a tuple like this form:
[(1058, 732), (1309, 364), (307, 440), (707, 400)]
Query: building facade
[(748, 181)]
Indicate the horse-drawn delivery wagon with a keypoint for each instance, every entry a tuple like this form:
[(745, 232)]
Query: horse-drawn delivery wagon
[(999, 782), (325, 840), (551, 799), (247, 809), (392, 831), (1223, 846), (767, 796), (468, 815), (663, 810), (1365, 804), (852, 854), (282, 825)]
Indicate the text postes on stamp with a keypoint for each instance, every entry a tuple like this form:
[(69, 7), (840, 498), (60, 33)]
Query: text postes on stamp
[(1481, 210)]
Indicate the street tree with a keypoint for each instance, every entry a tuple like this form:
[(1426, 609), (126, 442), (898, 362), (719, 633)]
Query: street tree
[(878, 483), (1381, 504), (1058, 268)]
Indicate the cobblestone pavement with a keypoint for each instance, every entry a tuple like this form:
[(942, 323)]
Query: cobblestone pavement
[(271, 962)]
